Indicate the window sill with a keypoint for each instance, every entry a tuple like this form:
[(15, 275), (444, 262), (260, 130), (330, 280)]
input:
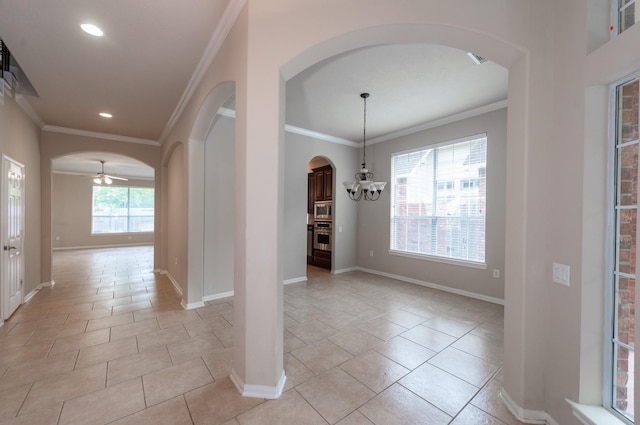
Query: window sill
[(594, 415), (481, 266)]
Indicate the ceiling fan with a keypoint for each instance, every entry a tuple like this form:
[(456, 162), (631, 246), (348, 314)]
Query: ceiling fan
[(103, 177)]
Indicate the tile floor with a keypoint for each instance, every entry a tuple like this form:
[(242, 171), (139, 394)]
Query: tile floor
[(110, 344)]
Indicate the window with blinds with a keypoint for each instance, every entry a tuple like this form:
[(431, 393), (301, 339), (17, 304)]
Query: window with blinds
[(438, 200)]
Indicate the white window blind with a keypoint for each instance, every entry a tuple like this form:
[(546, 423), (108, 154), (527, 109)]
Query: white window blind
[(438, 204)]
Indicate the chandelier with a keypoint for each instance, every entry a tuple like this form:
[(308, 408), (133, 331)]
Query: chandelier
[(364, 187)]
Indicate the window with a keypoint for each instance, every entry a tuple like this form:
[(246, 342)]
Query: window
[(622, 236), (119, 209), (624, 14), (438, 199)]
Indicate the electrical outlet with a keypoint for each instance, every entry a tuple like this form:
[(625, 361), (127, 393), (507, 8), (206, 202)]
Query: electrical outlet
[(176, 260), (371, 253), (496, 273)]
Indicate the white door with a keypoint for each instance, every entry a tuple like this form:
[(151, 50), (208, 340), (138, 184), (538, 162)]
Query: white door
[(12, 235)]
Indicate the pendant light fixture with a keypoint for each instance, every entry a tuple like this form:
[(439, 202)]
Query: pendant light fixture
[(364, 187)]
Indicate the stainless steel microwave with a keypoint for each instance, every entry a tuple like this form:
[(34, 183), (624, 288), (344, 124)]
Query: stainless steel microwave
[(323, 211)]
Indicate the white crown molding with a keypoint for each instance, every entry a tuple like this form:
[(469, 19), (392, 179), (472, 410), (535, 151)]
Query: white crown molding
[(440, 122), (320, 136), (31, 113), (95, 134), (230, 113), (231, 13)]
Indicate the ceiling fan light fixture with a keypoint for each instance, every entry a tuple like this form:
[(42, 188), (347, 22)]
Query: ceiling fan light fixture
[(107, 180), (92, 29), (97, 180)]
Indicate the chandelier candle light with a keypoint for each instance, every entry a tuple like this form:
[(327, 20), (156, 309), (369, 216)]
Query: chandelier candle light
[(364, 187)]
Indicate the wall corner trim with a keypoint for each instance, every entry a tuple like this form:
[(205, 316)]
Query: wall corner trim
[(258, 391), (526, 416)]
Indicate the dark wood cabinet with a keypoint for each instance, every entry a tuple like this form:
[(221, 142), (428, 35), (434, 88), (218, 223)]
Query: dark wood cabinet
[(328, 184), (311, 192), (322, 183), (322, 258)]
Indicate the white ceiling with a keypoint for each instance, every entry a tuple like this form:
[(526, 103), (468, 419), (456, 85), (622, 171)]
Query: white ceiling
[(141, 68)]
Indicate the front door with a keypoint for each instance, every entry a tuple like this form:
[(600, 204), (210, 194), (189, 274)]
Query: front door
[(12, 235)]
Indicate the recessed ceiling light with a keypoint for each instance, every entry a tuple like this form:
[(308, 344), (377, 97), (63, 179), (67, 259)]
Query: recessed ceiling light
[(92, 29), (105, 115)]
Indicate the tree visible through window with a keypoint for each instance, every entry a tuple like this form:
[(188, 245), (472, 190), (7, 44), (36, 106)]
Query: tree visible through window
[(620, 343), (118, 209), (438, 205)]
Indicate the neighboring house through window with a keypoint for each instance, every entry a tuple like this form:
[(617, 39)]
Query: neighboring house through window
[(120, 209), (438, 204), (622, 236)]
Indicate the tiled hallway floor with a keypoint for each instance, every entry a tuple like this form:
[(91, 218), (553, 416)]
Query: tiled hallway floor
[(111, 344)]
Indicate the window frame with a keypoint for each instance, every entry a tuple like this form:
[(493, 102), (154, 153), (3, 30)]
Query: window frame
[(616, 7), (431, 257), (609, 367), (128, 216)]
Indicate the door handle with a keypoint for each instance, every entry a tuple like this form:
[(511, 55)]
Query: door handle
[(9, 248)]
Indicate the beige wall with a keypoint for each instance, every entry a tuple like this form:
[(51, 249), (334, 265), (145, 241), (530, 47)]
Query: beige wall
[(376, 215), (544, 44), (55, 145), (71, 214), (20, 140)]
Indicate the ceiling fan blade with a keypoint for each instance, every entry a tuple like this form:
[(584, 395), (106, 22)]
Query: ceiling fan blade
[(116, 178)]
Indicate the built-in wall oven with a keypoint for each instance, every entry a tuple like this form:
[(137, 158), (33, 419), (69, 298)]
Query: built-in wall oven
[(322, 237)]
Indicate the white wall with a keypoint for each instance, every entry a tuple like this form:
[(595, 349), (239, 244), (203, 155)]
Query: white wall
[(376, 215), (219, 208)]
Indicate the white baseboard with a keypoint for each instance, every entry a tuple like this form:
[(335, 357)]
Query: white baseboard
[(435, 286), (258, 391), (526, 416), (31, 294), (176, 285), (294, 280), (218, 296), (120, 245), (347, 270), (191, 306), (48, 284)]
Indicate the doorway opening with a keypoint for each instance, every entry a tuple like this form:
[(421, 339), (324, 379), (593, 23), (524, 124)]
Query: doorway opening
[(320, 213)]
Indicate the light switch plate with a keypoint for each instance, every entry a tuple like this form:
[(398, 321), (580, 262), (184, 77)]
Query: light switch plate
[(561, 274)]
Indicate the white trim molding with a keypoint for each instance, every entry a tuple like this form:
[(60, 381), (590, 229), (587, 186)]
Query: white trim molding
[(294, 280), (435, 286), (219, 296), (31, 294), (96, 135), (220, 32), (192, 306), (258, 391), (347, 270), (593, 415), (49, 284), (526, 416)]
